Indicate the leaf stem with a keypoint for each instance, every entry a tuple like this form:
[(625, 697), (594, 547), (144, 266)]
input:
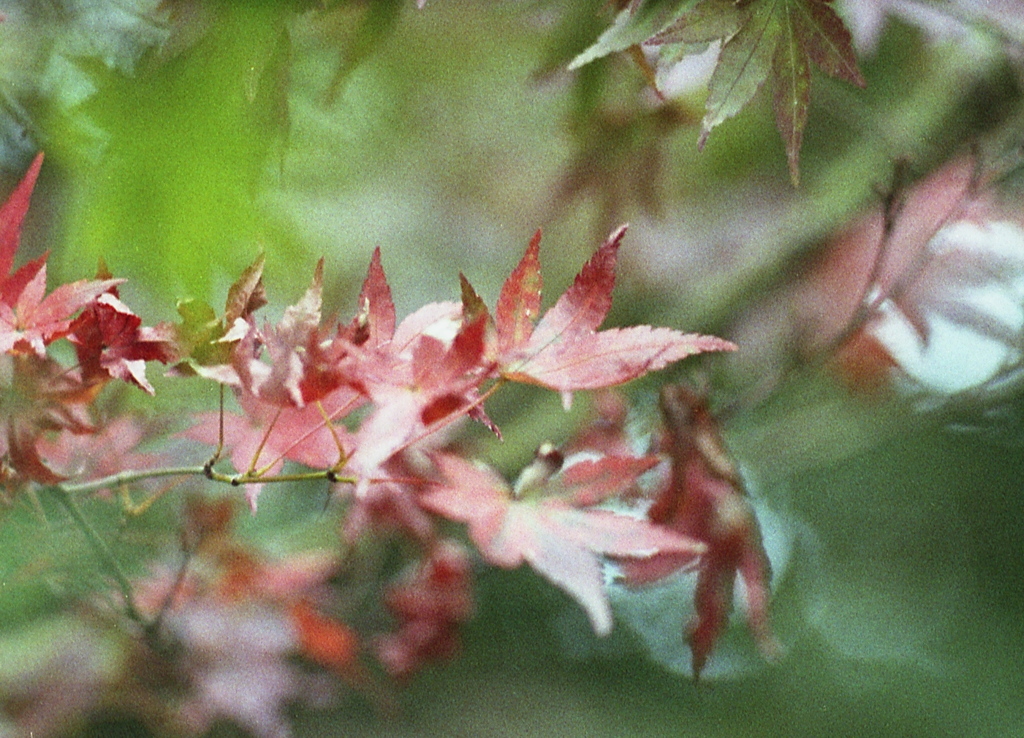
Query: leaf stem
[(453, 416)]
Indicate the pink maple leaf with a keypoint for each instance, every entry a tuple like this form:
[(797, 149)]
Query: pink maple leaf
[(107, 451), (547, 522), (293, 347), (419, 381), (565, 351), (266, 435), (34, 321)]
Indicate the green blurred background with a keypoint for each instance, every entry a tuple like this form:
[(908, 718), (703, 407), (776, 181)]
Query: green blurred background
[(177, 151)]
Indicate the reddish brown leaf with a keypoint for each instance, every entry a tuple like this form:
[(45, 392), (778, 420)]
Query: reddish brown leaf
[(473, 306), (325, 641), (592, 481), (705, 500), (431, 601), (792, 92), (519, 302), (374, 324), (297, 373), (826, 40), (246, 295)]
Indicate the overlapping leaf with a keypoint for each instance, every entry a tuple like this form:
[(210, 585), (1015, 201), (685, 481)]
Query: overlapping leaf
[(559, 535), (704, 498), (111, 341)]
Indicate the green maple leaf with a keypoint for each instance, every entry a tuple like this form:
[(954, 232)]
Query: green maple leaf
[(764, 39), (632, 26)]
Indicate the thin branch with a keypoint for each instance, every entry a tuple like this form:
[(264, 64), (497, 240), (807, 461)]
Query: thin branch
[(124, 478), (236, 480), (175, 589)]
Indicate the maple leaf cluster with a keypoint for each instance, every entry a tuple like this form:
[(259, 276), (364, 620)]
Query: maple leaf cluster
[(299, 383), (365, 405), (298, 380), (40, 396)]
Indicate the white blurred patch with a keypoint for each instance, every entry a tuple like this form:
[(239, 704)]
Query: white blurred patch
[(689, 74), (958, 325), (954, 359)]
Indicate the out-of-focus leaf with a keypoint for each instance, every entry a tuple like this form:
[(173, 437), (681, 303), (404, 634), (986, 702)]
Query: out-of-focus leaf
[(774, 39), (172, 192), (632, 28)]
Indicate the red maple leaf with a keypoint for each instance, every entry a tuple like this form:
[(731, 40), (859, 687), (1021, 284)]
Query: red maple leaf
[(305, 361), (705, 500), (111, 341), (547, 522), (425, 371), (28, 320), (418, 380), (12, 213), (565, 351)]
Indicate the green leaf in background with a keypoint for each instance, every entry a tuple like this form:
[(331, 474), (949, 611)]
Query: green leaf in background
[(171, 194)]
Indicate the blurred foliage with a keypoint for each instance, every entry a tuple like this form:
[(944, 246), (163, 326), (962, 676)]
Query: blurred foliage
[(183, 139)]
